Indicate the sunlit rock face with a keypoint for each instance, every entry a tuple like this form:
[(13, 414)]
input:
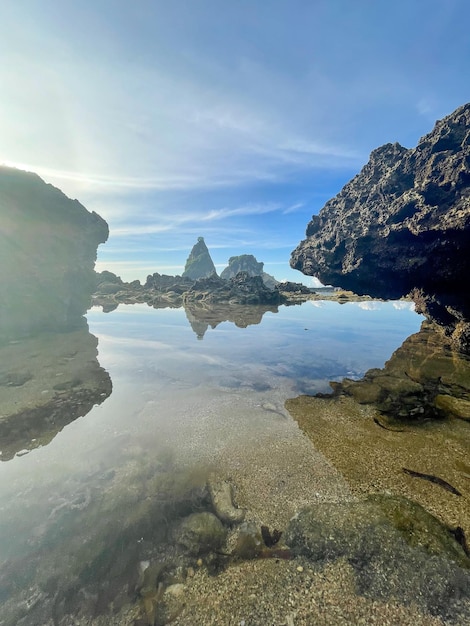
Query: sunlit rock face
[(48, 246), (402, 223), (199, 263), (248, 263)]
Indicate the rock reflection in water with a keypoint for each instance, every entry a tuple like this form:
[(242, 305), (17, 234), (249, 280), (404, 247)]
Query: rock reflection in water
[(46, 382), (202, 316)]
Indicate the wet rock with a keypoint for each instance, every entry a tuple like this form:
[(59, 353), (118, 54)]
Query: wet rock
[(457, 407), (424, 378), (396, 548), (222, 501), (249, 544), (172, 604), (200, 533)]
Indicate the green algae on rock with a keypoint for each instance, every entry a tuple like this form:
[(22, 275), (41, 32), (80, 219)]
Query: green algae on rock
[(426, 377), (395, 547)]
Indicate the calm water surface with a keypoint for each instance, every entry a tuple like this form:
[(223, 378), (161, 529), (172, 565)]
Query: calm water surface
[(188, 392)]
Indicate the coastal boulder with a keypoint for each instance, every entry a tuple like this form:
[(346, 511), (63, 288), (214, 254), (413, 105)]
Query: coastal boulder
[(242, 289), (395, 548), (200, 533), (402, 224), (48, 246)]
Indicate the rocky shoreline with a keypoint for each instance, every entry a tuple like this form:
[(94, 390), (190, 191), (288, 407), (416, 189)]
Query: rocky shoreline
[(163, 291)]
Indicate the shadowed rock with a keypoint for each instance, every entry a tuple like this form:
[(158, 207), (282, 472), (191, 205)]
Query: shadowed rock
[(48, 249), (403, 223)]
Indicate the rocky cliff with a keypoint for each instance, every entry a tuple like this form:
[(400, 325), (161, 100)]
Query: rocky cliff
[(48, 247), (403, 224), (199, 263), (248, 263)]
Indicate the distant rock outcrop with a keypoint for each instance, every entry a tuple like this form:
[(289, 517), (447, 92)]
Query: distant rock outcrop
[(242, 289), (401, 224), (248, 263), (199, 263), (48, 247)]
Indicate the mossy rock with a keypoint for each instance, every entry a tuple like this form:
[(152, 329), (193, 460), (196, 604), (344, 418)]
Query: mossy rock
[(456, 407), (200, 533), (395, 547)]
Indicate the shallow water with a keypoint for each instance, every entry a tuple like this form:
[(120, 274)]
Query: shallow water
[(184, 395)]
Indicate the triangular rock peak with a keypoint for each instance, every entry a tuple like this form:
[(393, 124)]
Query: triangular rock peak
[(199, 263)]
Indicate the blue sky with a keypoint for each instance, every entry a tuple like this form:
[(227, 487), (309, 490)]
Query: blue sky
[(235, 121)]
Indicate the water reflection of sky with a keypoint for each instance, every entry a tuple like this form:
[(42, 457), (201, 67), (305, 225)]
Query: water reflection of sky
[(323, 337), (168, 385)]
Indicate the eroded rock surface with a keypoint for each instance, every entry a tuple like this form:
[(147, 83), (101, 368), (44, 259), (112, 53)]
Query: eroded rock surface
[(199, 263), (403, 223), (243, 289), (248, 263), (395, 547)]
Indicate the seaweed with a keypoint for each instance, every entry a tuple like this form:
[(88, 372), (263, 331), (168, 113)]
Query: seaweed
[(393, 430), (460, 537), (270, 539), (433, 479)]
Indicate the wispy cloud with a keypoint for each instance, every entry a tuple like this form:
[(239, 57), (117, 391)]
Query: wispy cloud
[(293, 208), (169, 222), (250, 209)]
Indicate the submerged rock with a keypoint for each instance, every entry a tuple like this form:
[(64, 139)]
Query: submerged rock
[(46, 382), (426, 377), (395, 547), (222, 501), (200, 533)]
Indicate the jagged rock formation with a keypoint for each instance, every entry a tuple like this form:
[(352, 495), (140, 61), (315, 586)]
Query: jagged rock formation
[(248, 263), (403, 223), (199, 263), (243, 289), (48, 249)]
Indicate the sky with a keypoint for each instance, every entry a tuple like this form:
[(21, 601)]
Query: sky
[(229, 120)]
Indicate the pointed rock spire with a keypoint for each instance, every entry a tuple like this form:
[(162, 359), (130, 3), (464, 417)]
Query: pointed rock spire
[(199, 263)]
